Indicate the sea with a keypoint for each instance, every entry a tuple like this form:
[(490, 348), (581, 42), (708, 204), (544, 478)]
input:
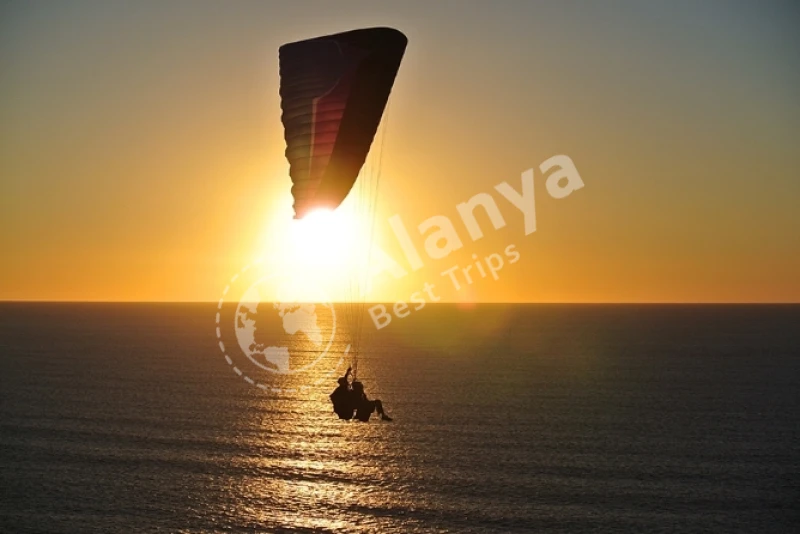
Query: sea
[(128, 418)]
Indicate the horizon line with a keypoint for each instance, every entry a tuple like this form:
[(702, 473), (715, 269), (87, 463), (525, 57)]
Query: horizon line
[(585, 303)]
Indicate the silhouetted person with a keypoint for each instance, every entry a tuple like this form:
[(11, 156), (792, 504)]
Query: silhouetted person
[(343, 399), (364, 406)]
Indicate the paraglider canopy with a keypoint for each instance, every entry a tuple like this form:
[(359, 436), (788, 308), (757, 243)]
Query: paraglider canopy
[(333, 92)]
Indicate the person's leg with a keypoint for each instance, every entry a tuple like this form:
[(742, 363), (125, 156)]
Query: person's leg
[(365, 409), (379, 408)]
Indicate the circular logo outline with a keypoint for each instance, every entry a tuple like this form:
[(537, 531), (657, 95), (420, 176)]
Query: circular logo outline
[(328, 304), (248, 379)]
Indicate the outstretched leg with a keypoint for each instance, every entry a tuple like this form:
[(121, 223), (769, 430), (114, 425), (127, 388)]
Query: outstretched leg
[(379, 409)]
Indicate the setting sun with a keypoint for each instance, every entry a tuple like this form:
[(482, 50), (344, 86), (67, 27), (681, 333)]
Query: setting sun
[(323, 256)]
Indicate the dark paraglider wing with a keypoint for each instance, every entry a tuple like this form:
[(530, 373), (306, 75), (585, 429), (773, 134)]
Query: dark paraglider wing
[(333, 93)]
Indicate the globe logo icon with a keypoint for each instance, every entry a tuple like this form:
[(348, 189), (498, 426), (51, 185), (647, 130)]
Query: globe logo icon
[(282, 336)]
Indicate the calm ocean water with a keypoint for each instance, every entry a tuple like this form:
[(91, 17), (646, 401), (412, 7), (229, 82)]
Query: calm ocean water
[(508, 418)]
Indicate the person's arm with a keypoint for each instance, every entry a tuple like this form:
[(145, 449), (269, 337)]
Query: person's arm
[(349, 370)]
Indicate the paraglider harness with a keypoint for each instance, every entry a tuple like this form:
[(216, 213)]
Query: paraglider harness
[(342, 397)]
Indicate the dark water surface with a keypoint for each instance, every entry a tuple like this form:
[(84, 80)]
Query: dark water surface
[(508, 418)]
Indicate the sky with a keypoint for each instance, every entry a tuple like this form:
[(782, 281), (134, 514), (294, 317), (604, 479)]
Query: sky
[(142, 153)]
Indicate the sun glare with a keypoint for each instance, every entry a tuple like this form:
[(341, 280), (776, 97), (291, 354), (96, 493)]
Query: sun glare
[(324, 236), (324, 255)]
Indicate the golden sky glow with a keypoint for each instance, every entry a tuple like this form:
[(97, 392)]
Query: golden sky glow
[(141, 150)]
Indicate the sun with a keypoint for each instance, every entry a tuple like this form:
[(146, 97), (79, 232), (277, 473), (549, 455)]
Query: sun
[(327, 250), (326, 236)]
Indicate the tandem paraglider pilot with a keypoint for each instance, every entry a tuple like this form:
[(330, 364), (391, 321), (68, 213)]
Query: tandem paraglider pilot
[(349, 402)]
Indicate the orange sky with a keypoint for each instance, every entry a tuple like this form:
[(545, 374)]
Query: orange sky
[(141, 150)]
